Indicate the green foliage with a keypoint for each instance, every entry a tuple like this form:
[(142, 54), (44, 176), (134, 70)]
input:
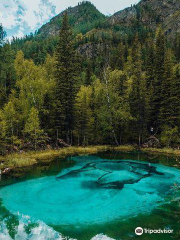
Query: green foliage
[(170, 136), (32, 82), (82, 18), (166, 109), (159, 72), (110, 107), (7, 73), (175, 96), (3, 128), (32, 127), (66, 82), (11, 119), (97, 83), (2, 35), (84, 116), (138, 98)]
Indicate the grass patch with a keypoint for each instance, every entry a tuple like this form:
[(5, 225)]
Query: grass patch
[(19, 161), (124, 148), (166, 151), (31, 158)]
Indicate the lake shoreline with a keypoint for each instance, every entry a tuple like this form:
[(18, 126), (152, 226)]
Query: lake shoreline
[(31, 158)]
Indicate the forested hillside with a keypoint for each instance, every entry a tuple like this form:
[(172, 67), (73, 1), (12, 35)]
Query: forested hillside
[(100, 80)]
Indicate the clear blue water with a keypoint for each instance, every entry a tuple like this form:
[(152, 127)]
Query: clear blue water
[(93, 191)]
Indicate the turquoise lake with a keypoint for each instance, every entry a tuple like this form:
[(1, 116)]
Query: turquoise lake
[(103, 196)]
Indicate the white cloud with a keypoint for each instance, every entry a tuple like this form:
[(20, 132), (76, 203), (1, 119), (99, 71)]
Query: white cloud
[(22, 15), (45, 11), (8, 10)]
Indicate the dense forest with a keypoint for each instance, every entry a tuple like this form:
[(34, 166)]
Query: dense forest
[(92, 84)]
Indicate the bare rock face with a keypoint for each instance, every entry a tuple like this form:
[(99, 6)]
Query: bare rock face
[(148, 13), (151, 13)]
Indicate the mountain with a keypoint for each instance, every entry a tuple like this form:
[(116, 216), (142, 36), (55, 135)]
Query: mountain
[(151, 13), (83, 18), (94, 32)]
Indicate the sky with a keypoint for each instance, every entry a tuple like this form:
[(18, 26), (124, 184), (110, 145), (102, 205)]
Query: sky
[(21, 17)]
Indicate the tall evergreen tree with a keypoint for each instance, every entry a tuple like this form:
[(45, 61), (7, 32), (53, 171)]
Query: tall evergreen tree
[(120, 59), (150, 81), (175, 96), (6, 62), (88, 75), (159, 73), (2, 35), (117, 57), (66, 78), (176, 46), (7, 72), (166, 110), (150, 65), (138, 91)]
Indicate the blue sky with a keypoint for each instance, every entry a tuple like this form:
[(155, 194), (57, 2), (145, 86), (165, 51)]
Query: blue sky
[(20, 17)]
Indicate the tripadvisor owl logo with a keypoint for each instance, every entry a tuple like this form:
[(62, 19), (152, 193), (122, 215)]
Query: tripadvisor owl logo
[(139, 231)]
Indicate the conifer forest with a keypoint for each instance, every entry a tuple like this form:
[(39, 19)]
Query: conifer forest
[(87, 79)]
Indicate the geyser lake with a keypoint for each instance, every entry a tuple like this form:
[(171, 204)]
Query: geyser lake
[(103, 196)]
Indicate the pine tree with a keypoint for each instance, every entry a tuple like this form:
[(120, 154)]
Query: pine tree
[(138, 91), (175, 96), (2, 35), (159, 73), (176, 46), (66, 78), (88, 76), (7, 72), (150, 81), (166, 110), (120, 56), (7, 75), (117, 57), (150, 65)]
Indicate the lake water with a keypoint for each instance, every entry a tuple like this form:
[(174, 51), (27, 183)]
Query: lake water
[(104, 196)]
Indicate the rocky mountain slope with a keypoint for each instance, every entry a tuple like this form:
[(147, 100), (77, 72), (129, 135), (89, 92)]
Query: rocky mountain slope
[(151, 13), (86, 17)]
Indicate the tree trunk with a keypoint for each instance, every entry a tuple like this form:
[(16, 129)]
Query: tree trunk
[(140, 139)]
